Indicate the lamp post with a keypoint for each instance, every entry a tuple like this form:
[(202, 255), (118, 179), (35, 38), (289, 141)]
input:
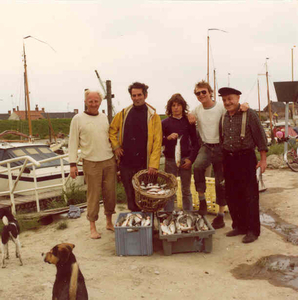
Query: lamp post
[(208, 38), (293, 104), (229, 79)]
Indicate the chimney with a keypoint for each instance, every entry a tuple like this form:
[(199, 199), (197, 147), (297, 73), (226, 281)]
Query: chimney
[(9, 112), (36, 107), (13, 109), (42, 110), (76, 111), (17, 108)]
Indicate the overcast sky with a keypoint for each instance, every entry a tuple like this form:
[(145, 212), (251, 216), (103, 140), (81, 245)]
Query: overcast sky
[(160, 43)]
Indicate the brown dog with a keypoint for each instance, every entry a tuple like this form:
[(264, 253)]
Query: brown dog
[(69, 283)]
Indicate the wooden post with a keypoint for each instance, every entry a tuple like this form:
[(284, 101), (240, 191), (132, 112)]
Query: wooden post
[(109, 100), (27, 94), (85, 106), (293, 104), (269, 107), (208, 58), (259, 99), (214, 92)]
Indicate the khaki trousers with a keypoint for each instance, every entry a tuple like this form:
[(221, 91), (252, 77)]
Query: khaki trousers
[(100, 177)]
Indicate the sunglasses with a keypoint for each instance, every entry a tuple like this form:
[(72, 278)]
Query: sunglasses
[(202, 92)]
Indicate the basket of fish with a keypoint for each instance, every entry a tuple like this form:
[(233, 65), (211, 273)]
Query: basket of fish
[(184, 231), (133, 234), (153, 191)]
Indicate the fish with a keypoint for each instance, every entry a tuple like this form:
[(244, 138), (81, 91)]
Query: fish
[(178, 152), (134, 220), (181, 222)]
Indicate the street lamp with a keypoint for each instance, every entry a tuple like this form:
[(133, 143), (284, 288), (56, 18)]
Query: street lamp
[(229, 79)]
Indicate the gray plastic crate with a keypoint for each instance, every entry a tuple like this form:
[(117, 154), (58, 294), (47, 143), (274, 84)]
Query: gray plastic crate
[(187, 242), (134, 240)]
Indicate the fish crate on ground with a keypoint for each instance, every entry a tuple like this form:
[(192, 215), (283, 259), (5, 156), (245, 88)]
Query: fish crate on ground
[(132, 240), (186, 242), (151, 202), (210, 195)]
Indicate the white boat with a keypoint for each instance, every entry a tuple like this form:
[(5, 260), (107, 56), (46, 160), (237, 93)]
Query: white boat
[(17, 167)]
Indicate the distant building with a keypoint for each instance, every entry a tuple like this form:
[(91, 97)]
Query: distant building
[(36, 114)]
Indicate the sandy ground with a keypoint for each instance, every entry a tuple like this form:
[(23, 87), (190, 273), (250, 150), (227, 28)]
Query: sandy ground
[(179, 276)]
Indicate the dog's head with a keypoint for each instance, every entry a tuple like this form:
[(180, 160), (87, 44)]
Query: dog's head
[(60, 253)]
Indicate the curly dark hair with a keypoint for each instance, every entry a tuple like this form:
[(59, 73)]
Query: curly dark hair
[(176, 98), (138, 85)]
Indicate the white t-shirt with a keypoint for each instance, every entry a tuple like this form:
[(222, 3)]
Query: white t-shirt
[(91, 135), (208, 122)]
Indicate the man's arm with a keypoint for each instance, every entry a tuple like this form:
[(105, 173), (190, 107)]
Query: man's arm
[(114, 133), (156, 147), (73, 145)]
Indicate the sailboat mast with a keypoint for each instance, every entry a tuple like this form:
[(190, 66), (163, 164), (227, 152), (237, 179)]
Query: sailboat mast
[(208, 58), (269, 104), (259, 99), (27, 93)]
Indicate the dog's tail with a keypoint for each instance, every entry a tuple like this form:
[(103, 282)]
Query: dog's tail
[(5, 220)]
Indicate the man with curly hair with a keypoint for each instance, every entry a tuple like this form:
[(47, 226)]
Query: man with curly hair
[(136, 138)]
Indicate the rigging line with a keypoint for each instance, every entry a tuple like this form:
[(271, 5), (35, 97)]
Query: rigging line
[(30, 36), (272, 88), (248, 94)]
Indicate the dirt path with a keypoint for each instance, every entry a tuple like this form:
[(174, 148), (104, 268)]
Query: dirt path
[(180, 276)]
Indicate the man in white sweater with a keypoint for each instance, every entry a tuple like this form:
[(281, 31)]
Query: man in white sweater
[(89, 131)]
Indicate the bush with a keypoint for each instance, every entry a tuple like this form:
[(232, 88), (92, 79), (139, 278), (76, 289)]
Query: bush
[(74, 195), (62, 225)]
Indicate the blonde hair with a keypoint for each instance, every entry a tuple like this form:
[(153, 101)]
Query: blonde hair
[(87, 92)]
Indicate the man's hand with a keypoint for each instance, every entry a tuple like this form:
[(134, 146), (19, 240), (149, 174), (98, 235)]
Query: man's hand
[(244, 106), (187, 164), (191, 118), (119, 152), (262, 165), (263, 162), (172, 136), (74, 172), (152, 171)]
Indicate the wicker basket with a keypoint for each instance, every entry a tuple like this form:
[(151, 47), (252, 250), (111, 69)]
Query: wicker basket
[(153, 203)]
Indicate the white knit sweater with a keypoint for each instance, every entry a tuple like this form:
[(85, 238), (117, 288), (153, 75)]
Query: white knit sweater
[(91, 135)]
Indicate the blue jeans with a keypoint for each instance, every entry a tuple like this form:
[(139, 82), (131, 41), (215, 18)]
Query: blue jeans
[(210, 154), (185, 176)]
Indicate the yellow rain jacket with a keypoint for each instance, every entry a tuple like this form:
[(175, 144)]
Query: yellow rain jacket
[(154, 142)]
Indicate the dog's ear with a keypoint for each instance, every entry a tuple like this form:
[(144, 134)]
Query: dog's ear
[(70, 246), (63, 254)]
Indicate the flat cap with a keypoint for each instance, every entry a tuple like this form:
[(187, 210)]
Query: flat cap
[(224, 91)]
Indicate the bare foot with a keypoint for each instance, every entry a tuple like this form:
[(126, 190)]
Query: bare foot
[(110, 226), (95, 235)]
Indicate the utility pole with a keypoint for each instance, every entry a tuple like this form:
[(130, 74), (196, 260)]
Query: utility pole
[(214, 92), (293, 104), (208, 58), (269, 104), (109, 97), (259, 100)]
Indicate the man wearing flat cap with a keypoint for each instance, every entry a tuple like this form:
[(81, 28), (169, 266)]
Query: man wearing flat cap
[(240, 133)]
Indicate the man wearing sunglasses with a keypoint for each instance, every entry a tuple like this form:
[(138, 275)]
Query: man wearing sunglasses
[(207, 116)]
